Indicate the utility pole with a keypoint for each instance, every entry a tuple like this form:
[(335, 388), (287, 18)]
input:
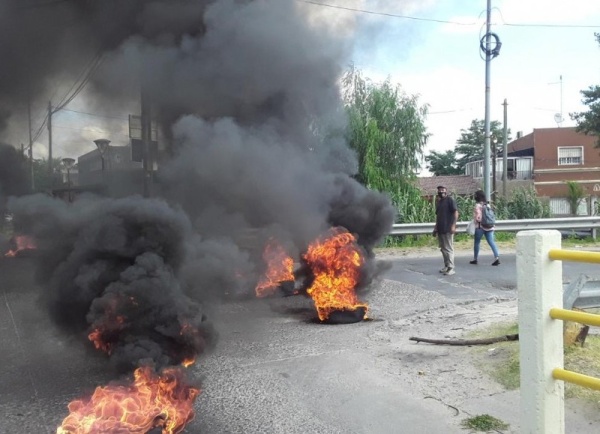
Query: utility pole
[(558, 117), (486, 46), (146, 121), (504, 150), (30, 142), (50, 143), (561, 102), (561, 98), (494, 152), (486, 145)]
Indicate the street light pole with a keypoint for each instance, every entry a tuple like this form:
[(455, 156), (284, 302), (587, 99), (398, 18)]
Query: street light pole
[(69, 163)]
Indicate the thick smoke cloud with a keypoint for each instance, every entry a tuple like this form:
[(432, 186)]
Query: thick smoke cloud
[(258, 62), (13, 176), (229, 177), (41, 41), (248, 96), (113, 266)]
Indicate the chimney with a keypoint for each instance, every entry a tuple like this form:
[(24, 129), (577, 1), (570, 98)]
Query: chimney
[(519, 134)]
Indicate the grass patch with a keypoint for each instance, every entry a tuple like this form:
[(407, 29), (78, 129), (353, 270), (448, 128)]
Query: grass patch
[(502, 364), (585, 360), (484, 423), (580, 242), (461, 241), (506, 241)]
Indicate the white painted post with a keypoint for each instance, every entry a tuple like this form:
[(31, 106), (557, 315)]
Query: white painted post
[(539, 284)]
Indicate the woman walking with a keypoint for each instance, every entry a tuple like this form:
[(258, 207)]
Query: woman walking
[(482, 230)]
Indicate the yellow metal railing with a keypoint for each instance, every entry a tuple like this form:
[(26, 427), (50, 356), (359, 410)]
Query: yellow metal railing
[(575, 378), (574, 255), (574, 316)]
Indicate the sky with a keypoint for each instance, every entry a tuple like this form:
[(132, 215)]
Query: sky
[(442, 62), (431, 49)]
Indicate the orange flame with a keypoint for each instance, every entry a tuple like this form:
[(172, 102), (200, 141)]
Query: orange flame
[(110, 327), (23, 242), (153, 400), (192, 333), (280, 268), (335, 261)]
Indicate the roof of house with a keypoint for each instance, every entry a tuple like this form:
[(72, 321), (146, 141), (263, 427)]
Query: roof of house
[(456, 184)]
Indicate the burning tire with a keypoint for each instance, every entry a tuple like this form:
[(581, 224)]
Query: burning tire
[(346, 316)]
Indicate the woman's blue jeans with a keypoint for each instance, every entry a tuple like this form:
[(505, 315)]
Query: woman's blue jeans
[(489, 237)]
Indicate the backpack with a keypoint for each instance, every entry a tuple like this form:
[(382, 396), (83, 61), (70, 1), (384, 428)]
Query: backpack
[(488, 217)]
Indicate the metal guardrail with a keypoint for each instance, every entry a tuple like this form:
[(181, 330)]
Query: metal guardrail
[(506, 225), (582, 293)]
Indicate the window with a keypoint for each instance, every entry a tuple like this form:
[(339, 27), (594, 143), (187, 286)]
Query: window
[(571, 155)]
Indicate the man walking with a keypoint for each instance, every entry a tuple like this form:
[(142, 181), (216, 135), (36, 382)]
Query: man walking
[(445, 228)]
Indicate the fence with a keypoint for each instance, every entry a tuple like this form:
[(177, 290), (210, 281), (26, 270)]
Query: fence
[(540, 292), (565, 223)]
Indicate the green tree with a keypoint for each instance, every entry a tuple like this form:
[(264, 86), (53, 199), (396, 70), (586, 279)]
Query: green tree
[(589, 122), (42, 179), (575, 194), (443, 163), (387, 131), (471, 141)]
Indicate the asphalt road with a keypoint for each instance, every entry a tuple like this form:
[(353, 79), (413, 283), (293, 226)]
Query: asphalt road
[(473, 282), (275, 369)]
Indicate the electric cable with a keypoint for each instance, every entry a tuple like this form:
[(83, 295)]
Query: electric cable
[(408, 17)]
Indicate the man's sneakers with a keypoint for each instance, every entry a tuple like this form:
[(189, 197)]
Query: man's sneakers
[(446, 271), (473, 262)]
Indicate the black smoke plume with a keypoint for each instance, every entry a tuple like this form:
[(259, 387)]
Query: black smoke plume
[(112, 266), (249, 99), (13, 177)]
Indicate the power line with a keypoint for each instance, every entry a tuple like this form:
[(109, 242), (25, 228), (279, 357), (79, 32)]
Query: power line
[(39, 131), (75, 89), (385, 13), (408, 17), (83, 79), (95, 114)]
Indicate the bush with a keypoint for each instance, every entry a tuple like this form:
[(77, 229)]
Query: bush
[(524, 203)]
